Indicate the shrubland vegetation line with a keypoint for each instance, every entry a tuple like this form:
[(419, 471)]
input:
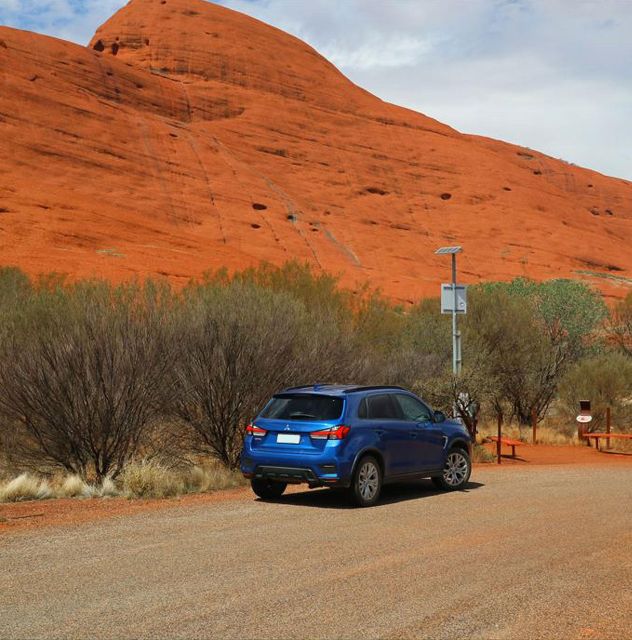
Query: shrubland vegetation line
[(95, 376)]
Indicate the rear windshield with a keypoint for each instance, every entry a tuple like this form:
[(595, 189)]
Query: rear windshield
[(303, 406)]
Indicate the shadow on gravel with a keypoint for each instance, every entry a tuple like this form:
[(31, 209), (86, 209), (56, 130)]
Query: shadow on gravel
[(392, 493), (616, 453)]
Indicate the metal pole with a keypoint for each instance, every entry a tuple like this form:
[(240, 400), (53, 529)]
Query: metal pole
[(608, 426), (455, 336), (534, 424), (500, 435)]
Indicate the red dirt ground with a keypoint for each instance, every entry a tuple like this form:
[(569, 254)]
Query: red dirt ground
[(33, 514), (188, 137)]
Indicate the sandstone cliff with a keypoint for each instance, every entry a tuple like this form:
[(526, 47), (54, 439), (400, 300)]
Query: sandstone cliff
[(187, 136)]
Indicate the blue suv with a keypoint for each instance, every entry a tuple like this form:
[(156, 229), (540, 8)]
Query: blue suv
[(353, 437)]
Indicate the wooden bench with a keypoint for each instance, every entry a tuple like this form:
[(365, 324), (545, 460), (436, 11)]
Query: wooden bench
[(598, 436), (508, 442)]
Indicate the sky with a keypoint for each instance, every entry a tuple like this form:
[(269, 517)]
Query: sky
[(553, 75)]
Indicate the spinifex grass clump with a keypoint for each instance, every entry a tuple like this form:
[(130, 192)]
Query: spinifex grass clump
[(24, 487), (139, 479)]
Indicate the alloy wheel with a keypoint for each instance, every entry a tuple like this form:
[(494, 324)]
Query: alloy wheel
[(456, 469), (368, 480)]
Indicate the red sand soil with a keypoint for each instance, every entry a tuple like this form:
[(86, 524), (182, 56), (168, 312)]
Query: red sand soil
[(188, 137), (24, 516), (542, 454), (37, 513)]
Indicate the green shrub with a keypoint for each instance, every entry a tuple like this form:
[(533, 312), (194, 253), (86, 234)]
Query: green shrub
[(605, 380)]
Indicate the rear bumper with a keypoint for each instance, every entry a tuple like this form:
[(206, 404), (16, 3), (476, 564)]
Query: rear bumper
[(295, 475), (317, 471)]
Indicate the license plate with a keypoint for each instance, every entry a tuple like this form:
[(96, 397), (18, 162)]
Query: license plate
[(288, 438)]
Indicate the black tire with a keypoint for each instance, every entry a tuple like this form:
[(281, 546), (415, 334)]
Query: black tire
[(267, 489), (456, 472), (367, 482)]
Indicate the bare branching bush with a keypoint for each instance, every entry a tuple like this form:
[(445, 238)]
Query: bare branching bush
[(83, 375), (239, 344)]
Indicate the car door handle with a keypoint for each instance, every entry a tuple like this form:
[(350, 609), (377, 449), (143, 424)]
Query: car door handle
[(413, 434), (379, 432)]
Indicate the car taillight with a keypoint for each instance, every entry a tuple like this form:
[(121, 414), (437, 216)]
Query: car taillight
[(257, 432), (333, 433)]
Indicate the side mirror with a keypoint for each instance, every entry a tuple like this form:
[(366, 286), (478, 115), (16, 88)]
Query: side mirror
[(439, 416)]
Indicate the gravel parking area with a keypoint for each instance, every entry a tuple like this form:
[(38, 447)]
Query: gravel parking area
[(535, 552)]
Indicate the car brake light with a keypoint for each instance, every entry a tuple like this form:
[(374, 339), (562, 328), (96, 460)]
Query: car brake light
[(333, 433), (257, 432)]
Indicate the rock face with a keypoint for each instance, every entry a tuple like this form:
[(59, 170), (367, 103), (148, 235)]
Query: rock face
[(187, 137)]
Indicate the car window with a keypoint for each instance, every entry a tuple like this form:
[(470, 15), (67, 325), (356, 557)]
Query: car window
[(303, 406), (382, 407), (413, 409)]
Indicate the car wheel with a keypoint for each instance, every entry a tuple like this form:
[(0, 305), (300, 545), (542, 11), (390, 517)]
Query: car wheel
[(367, 482), (456, 471), (267, 489)]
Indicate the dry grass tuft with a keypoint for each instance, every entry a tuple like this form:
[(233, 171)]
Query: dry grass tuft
[(144, 479), (108, 489), (73, 486), (213, 478), (545, 434), (149, 479), (481, 454), (24, 487)]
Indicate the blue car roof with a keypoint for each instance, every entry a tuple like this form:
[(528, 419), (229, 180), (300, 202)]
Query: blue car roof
[(338, 389)]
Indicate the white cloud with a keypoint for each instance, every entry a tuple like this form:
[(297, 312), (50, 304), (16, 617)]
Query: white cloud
[(377, 53)]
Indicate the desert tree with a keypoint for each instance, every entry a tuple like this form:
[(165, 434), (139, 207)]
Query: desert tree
[(619, 325), (605, 380), (527, 335)]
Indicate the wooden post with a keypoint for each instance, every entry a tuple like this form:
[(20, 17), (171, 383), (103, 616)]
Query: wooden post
[(534, 424), (500, 433), (608, 427)]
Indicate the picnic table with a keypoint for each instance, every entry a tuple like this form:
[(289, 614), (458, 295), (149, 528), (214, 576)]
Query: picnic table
[(508, 442), (598, 436)]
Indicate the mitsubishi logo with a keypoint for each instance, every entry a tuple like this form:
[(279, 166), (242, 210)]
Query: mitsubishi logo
[(287, 427)]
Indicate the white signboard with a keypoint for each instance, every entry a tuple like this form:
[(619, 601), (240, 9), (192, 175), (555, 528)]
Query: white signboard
[(447, 298)]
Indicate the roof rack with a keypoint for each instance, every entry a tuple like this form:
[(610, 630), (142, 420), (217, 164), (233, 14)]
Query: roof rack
[(344, 388), (374, 388), (315, 385)]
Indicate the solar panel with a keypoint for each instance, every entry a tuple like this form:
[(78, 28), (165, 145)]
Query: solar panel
[(448, 250)]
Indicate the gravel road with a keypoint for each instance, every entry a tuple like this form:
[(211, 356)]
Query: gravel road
[(527, 553)]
